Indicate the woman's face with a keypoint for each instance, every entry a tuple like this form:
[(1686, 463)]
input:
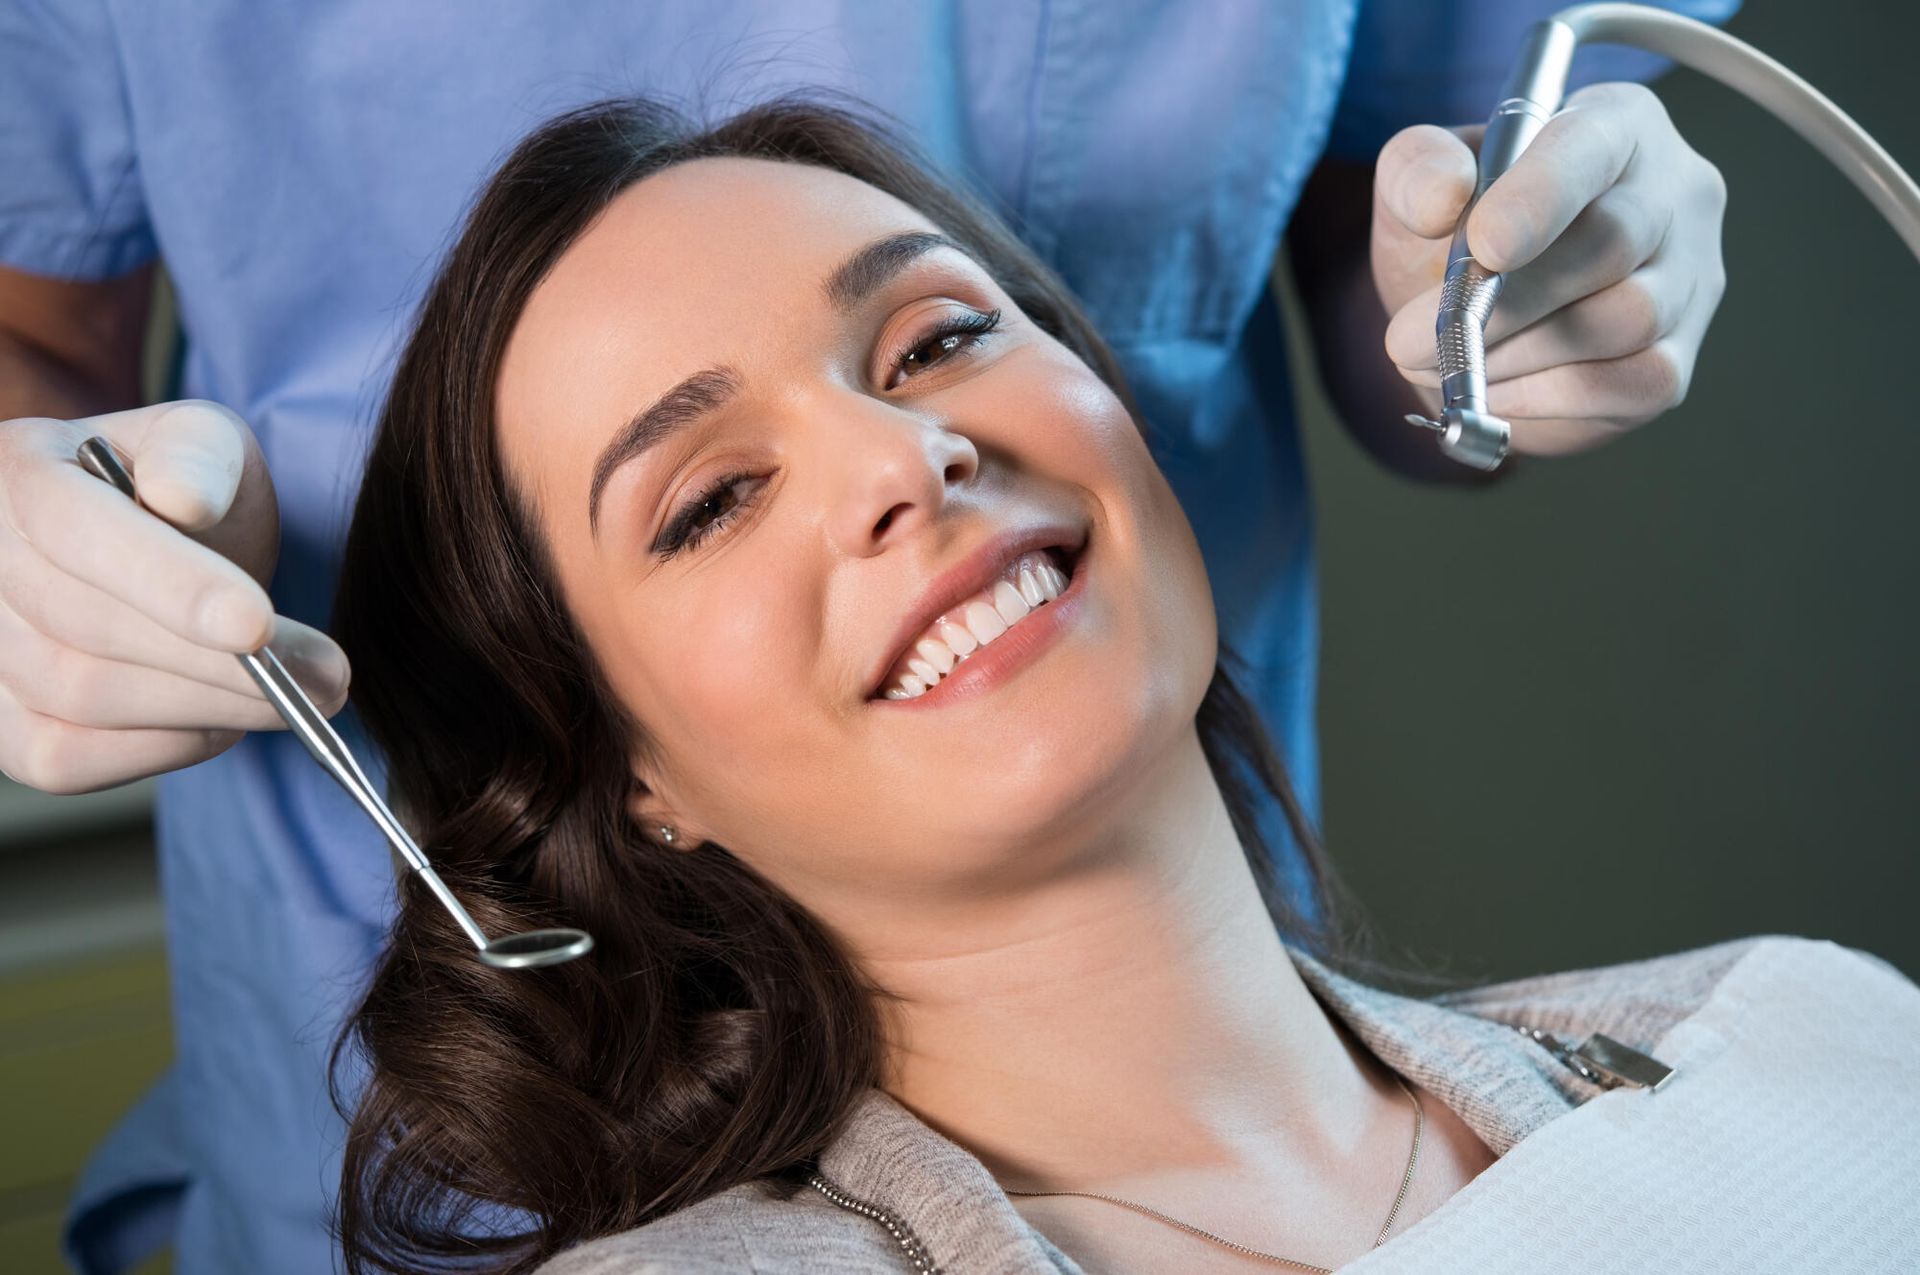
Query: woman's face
[(865, 458)]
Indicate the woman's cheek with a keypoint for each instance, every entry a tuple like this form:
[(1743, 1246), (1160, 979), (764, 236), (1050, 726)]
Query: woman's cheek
[(1063, 409), (744, 665), (1107, 452)]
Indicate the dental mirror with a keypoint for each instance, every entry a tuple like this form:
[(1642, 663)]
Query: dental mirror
[(529, 950)]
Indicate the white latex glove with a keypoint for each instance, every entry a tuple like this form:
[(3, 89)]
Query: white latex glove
[(118, 631), (1607, 229)]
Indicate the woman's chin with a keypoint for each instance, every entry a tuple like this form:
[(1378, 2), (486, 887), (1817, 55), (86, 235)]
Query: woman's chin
[(1048, 769)]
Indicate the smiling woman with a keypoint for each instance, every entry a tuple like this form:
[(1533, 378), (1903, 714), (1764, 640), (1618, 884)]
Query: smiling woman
[(760, 565), (700, 434)]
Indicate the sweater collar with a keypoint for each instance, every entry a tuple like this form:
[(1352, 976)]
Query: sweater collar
[(1502, 1086)]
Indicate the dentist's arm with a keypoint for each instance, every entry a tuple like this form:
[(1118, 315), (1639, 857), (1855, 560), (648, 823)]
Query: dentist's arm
[(118, 628), (1608, 229), (71, 349)]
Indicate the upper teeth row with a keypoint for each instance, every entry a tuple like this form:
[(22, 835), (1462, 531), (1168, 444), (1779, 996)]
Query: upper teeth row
[(1028, 582)]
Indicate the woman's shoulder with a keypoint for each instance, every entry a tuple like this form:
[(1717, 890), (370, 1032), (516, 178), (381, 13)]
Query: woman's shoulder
[(699, 1238), (1641, 999), (748, 1227)]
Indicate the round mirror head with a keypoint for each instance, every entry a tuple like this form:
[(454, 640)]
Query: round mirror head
[(535, 948)]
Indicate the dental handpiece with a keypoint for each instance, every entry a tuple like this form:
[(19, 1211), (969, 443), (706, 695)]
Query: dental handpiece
[(511, 951), (1469, 433)]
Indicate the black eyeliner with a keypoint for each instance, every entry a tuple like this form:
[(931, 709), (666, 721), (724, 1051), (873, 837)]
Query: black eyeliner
[(973, 323), (674, 536)]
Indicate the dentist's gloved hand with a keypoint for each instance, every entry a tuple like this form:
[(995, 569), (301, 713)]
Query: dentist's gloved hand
[(1607, 229), (117, 630)]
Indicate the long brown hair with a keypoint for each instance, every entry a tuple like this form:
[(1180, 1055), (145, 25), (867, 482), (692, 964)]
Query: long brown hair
[(718, 1034)]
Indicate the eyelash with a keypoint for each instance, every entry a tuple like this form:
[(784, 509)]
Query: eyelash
[(972, 325), (681, 534)]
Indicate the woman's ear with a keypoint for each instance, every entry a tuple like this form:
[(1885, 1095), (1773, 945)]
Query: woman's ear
[(658, 822)]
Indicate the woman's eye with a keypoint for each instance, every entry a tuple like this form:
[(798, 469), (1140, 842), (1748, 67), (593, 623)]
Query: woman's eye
[(704, 516), (716, 507), (955, 335)]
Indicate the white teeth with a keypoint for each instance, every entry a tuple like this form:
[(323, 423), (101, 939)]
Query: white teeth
[(1030, 591), (984, 621), (1034, 582), (957, 637), (1008, 602), (936, 653)]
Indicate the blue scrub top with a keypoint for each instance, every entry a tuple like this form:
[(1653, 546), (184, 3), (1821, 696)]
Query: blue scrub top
[(301, 168)]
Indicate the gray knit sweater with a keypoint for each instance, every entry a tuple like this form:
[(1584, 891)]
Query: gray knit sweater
[(901, 1193)]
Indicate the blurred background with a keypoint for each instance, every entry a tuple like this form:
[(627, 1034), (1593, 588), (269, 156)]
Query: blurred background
[(1614, 706)]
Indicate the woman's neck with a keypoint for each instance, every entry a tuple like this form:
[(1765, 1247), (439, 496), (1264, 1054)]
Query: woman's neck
[(1134, 1017)]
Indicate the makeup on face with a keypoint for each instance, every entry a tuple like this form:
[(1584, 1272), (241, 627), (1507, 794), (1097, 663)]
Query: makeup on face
[(840, 496)]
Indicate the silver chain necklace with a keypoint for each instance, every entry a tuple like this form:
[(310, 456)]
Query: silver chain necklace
[(1406, 1180)]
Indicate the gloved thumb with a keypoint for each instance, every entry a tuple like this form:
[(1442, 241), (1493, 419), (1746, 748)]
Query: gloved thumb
[(187, 458), (1426, 175)]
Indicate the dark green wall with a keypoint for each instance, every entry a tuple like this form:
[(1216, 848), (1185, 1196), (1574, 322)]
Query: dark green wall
[(1662, 694)]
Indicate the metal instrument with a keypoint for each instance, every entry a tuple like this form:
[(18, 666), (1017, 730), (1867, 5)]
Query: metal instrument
[(511, 951)]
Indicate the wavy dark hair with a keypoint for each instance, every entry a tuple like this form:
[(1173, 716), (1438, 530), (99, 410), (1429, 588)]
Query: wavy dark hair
[(718, 1034)]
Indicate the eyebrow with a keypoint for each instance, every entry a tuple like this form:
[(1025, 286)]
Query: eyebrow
[(866, 271), (705, 392), (697, 396)]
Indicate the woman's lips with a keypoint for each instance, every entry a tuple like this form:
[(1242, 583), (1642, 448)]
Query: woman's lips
[(998, 661), (1026, 581), (961, 580)]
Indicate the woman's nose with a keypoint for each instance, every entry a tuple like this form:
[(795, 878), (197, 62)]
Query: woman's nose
[(890, 469)]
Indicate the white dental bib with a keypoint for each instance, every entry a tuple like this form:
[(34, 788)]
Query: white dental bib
[(1788, 1139)]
